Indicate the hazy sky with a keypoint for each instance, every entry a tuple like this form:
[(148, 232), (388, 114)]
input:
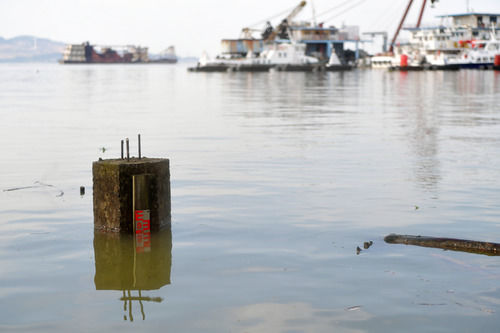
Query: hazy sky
[(196, 25)]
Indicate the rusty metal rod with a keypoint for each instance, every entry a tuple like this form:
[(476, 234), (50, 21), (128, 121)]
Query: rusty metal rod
[(142, 298), (453, 244), (139, 144), (128, 150), (122, 149)]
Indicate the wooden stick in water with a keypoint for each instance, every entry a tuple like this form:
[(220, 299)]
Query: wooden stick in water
[(453, 244)]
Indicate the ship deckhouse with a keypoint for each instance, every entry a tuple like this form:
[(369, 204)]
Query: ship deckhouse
[(457, 33)]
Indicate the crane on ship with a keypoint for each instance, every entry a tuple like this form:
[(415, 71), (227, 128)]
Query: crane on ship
[(270, 32), (391, 47), (281, 30)]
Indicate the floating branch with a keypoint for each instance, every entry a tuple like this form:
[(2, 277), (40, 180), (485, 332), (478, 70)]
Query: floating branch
[(464, 245)]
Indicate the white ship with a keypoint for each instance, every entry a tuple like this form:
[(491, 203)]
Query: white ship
[(444, 45)]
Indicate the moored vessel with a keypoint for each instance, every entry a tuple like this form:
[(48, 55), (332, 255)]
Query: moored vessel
[(289, 46)]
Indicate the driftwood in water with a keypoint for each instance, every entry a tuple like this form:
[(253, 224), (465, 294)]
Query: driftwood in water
[(464, 245)]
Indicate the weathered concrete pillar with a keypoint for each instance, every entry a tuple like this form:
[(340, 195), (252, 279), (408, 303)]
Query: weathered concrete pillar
[(114, 192)]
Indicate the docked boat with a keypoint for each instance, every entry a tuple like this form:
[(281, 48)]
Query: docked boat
[(480, 56), (285, 56), (289, 46), (450, 45), (468, 40)]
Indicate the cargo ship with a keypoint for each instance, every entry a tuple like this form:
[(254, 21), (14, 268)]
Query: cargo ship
[(86, 53), (93, 54)]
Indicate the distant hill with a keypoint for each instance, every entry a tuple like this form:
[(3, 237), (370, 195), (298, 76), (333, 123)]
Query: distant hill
[(30, 49)]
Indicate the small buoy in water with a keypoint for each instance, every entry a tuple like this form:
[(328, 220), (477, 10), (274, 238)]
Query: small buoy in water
[(82, 190)]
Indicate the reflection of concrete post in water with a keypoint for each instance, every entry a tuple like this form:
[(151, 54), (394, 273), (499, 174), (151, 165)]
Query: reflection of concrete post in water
[(114, 262), (114, 192), (119, 267)]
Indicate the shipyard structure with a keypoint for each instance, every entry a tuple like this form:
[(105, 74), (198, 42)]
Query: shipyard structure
[(86, 53), (320, 41), (290, 46)]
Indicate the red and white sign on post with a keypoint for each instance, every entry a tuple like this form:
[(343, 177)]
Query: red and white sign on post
[(142, 231)]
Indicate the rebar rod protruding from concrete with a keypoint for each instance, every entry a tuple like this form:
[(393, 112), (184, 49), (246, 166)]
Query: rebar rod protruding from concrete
[(139, 144), (128, 150), (122, 148)]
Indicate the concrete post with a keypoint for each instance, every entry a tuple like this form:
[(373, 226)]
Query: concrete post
[(114, 193)]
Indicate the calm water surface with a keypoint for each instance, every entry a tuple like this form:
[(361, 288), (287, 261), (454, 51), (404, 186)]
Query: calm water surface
[(276, 179)]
